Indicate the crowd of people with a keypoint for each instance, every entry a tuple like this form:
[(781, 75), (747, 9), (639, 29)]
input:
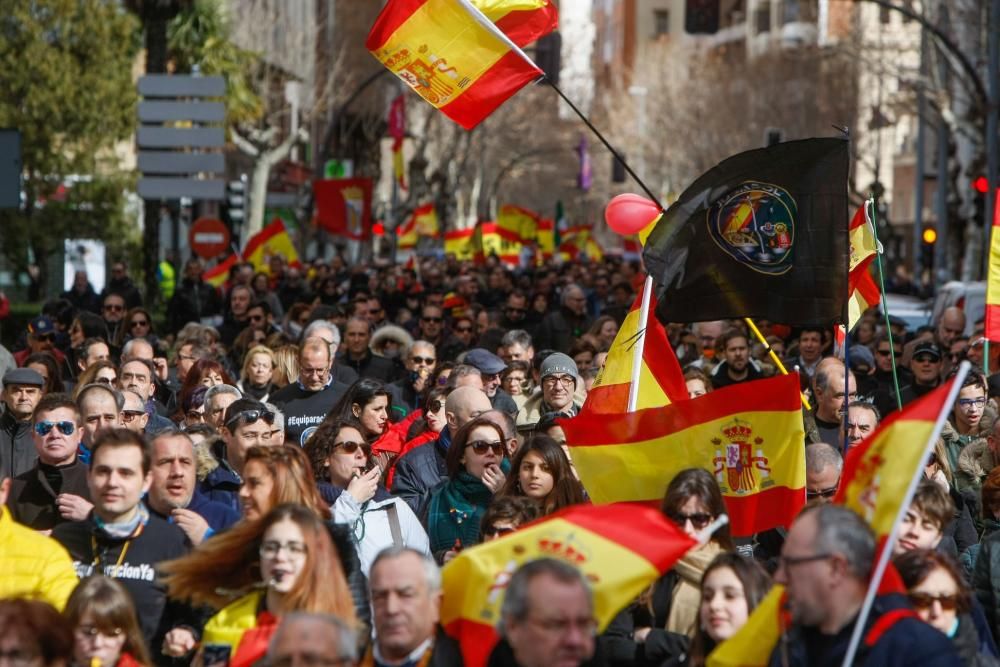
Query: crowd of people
[(276, 471)]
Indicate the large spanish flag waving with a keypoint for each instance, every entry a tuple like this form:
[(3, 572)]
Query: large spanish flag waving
[(269, 242), (861, 287), (661, 381), (621, 549), (748, 435), (877, 482), (523, 21), (459, 242), (451, 55)]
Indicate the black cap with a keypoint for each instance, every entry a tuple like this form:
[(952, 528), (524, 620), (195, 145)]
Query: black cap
[(26, 376)]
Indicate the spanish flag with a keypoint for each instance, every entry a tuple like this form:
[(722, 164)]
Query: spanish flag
[(993, 279), (271, 241), (753, 644), (621, 549), (406, 234), (459, 242), (660, 381), (219, 274), (492, 239), (426, 221), (523, 21), (519, 221), (748, 435), (545, 237), (451, 55), (861, 287)]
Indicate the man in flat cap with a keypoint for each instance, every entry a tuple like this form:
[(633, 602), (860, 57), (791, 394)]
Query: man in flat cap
[(22, 389)]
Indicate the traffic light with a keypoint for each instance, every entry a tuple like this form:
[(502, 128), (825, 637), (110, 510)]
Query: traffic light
[(701, 17), (548, 56), (928, 237), (234, 208), (617, 169)]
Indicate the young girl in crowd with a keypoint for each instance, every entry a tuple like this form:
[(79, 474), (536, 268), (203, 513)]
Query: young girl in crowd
[(255, 573), (105, 628), (541, 471)]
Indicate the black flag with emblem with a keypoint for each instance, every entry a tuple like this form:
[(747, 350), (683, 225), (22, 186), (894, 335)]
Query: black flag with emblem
[(761, 235)]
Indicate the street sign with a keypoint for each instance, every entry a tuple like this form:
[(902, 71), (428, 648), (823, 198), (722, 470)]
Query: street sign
[(209, 237), (148, 136), (168, 162), (175, 188), (202, 112), (178, 85)]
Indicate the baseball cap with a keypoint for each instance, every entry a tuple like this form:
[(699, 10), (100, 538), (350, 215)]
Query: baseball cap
[(487, 362), (927, 347), (41, 326), (859, 356), (557, 362), (26, 376)]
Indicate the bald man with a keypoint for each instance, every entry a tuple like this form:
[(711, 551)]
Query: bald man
[(423, 468), (305, 403)]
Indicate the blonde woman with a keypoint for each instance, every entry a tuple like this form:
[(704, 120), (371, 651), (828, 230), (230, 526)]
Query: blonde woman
[(257, 374), (286, 366)]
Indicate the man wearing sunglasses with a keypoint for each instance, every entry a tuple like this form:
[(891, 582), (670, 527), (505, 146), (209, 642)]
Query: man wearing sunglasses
[(490, 367), (925, 373), (41, 338), (113, 312), (22, 389), (55, 490), (248, 424), (420, 363), (825, 566)]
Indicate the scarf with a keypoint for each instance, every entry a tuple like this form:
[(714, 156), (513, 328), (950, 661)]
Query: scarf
[(124, 529), (686, 598), (456, 511)]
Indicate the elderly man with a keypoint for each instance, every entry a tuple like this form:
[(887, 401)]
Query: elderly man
[(134, 416), (823, 424), (55, 490), (559, 329), (560, 381), (423, 468), (490, 367), (138, 375), (406, 604), (420, 363), (100, 409), (825, 566), (329, 332), (217, 400), (360, 359), (547, 617), (22, 389), (312, 639), (823, 467), (306, 402), (173, 493), (862, 420)]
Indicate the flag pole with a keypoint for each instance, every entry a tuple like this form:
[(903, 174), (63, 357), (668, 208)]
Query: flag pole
[(774, 357), (886, 554), (640, 344), (871, 220)]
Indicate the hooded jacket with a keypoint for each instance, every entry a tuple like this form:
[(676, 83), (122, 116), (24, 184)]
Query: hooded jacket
[(33, 564)]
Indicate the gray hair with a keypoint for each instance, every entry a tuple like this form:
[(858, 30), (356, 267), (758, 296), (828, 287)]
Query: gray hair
[(820, 456), (567, 290), (142, 401), (218, 389), (504, 420), (516, 337), (129, 346), (432, 573), (841, 531), (324, 325), (279, 416), (865, 405), (116, 395), (460, 371), (347, 638), (516, 605)]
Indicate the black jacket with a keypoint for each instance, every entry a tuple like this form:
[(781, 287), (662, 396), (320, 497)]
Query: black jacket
[(17, 448), (32, 499), (503, 656), (158, 542), (304, 410), (419, 471), (660, 645), (559, 330), (192, 301), (370, 366)]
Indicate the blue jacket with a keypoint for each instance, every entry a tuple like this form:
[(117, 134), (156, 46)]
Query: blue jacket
[(223, 486), (907, 642), (219, 516)]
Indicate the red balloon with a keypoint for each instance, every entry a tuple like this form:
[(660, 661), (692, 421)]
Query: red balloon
[(629, 213)]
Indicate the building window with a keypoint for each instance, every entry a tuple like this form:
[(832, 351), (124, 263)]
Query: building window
[(762, 19), (661, 22), (884, 15)]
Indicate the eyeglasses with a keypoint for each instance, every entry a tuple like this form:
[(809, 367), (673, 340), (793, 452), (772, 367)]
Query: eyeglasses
[(350, 447), (791, 561), (482, 446), (883, 353), (517, 311), (106, 380), (496, 531), (250, 416), (129, 415), (463, 329), (972, 403), (435, 406), (926, 600), (699, 519), (256, 318), (139, 323), (926, 359), (46, 338), (44, 428), (432, 319), (565, 380), (426, 361), (93, 631), (821, 493), (114, 307), (272, 548)]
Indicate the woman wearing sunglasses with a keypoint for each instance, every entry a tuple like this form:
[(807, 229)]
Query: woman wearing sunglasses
[(105, 626), (137, 323), (542, 472), (476, 471), (659, 625), (341, 457), (255, 573), (941, 598)]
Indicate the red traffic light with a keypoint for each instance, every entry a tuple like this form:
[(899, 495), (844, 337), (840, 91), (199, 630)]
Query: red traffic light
[(378, 229), (981, 185)]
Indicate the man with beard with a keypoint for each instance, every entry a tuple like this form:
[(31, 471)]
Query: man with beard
[(736, 366)]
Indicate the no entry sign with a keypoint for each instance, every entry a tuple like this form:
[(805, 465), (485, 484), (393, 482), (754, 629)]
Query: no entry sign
[(209, 237)]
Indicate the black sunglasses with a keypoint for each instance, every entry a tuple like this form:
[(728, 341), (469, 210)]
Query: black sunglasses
[(350, 447), (482, 446), (699, 519), (250, 416), (822, 493)]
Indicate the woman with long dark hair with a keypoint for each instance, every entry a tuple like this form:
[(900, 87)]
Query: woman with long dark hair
[(541, 471), (105, 626), (255, 573), (367, 402)]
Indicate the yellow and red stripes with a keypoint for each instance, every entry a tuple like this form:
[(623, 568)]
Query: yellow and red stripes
[(993, 280)]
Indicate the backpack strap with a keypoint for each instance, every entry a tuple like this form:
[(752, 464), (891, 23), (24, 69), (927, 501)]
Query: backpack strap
[(884, 623), (394, 528)]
